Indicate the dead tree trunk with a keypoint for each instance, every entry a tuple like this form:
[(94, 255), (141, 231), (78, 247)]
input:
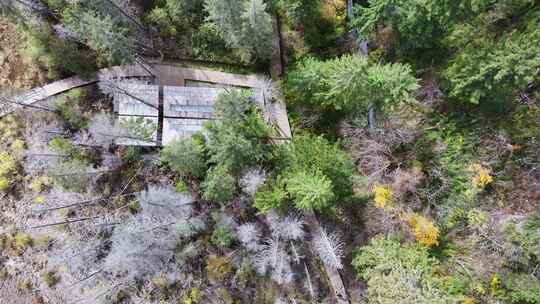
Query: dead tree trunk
[(334, 277)]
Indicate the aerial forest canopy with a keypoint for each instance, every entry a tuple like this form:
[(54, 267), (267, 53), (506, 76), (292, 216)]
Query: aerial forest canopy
[(270, 151)]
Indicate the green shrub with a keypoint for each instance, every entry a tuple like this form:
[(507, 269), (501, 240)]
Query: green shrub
[(3, 272), (3, 242), (308, 153), (222, 237), (319, 31), (193, 297), (522, 244), (522, 288), (5, 184), (311, 191), (272, 195), (181, 187), (140, 128), (23, 240), (71, 114), (66, 147), (185, 157), (219, 185), (73, 175), (8, 164), (60, 57), (56, 5), (245, 273), (50, 278), (134, 206), (61, 145), (132, 155), (389, 267)]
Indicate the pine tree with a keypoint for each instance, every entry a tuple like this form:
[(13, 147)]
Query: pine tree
[(249, 32), (185, 157), (311, 191), (350, 83), (258, 32), (100, 33)]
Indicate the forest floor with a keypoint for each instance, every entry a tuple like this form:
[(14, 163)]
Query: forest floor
[(15, 71)]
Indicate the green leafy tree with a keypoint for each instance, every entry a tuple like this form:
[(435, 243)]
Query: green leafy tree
[(185, 157), (311, 191), (219, 185)]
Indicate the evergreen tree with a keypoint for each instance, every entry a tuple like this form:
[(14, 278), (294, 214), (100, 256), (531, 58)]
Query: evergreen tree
[(311, 190), (258, 32), (249, 32), (351, 83), (100, 33), (495, 71), (308, 153), (185, 157), (238, 137), (219, 185)]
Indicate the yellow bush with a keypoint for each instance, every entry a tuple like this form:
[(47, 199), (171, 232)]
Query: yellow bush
[(193, 297), (5, 184), (39, 183), (18, 146), (468, 301), (495, 284), (383, 196), (8, 164), (23, 240), (482, 176), (477, 219), (425, 232), (479, 289)]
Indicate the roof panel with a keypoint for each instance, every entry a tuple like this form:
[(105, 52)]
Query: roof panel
[(133, 141), (179, 101), (174, 129), (138, 99)]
